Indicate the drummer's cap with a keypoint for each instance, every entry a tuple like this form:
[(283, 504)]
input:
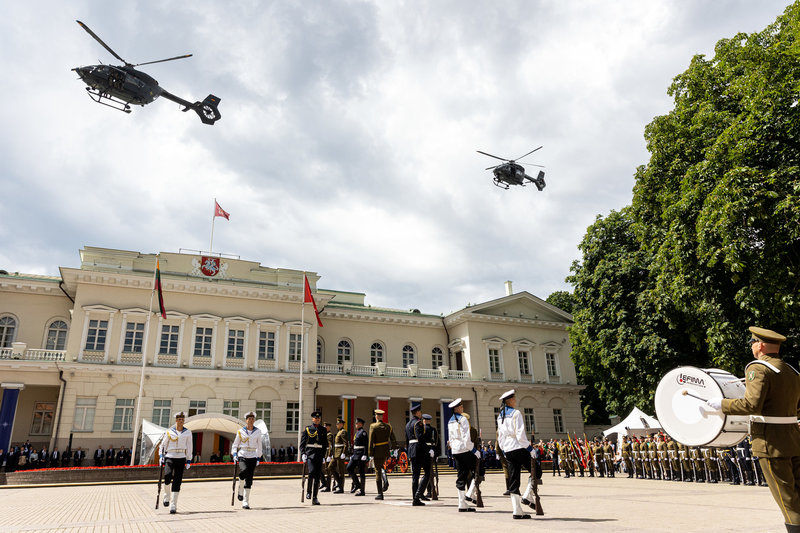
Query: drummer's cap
[(767, 335), (455, 403), (508, 394), (379, 411)]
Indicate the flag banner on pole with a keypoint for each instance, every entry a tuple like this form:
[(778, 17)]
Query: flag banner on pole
[(219, 212), (161, 307), (348, 408), (309, 298)]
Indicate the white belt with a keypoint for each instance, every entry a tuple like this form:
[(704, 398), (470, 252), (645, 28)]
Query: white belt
[(359, 447), (176, 450), (248, 449), (313, 445), (414, 441), (338, 445), (774, 419)]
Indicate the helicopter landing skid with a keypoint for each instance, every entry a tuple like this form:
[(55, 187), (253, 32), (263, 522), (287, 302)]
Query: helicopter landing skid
[(500, 183), (98, 97)]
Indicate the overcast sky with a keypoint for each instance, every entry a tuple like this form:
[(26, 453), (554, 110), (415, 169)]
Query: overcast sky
[(347, 144)]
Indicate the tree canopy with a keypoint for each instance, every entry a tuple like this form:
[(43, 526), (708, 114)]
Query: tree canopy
[(711, 241)]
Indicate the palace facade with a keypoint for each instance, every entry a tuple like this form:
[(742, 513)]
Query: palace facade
[(72, 348)]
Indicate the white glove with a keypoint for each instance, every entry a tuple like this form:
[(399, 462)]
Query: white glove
[(188, 465), (341, 456), (433, 454), (714, 404), (235, 458), (477, 454), (162, 460), (533, 453), (327, 459), (364, 457), (305, 457), (258, 463)]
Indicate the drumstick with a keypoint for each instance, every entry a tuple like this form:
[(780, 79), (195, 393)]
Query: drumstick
[(687, 393)]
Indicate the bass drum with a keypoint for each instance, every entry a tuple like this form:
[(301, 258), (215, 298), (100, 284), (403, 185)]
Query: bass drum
[(681, 410)]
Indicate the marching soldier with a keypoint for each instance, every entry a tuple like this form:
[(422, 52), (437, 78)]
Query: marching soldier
[(699, 465), (247, 451), (710, 459), (465, 453), (652, 458), (512, 436), (635, 449), (432, 441), (358, 461), (327, 467), (626, 452), (313, 449), (418, 454), (476, 440), (381, 442), (608, 453), (685, 462), (672, 458), (661, 448), (176, 456), (772, 396), (341, 448), (566, 459), (599, 456)]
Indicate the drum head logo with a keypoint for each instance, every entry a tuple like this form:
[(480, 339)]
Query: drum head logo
[(686, 379)]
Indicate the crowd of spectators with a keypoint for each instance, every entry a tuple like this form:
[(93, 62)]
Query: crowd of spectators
[(27, 457)]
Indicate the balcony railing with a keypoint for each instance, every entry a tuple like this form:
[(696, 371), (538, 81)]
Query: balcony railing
[(526, 378), (429, 373), (396, 372), (267, 365), (34, 355), (496, 376), (166, 359), (458, 374), (327, 368), (554, 379), (130, 358), (363, 370)]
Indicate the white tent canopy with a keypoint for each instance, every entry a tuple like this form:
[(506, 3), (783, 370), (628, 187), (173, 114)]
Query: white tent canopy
[(636, 423), (216, 422)]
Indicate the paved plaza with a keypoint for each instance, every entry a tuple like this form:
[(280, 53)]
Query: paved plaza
[(576, 504)]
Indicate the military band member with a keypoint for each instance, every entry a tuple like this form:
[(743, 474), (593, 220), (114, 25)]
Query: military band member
[(418, 454), (672, 458), (608, 453), (599, 456), (709, 458), (432, 441), (663, 463), (313, 449), (465, 453), (380, 443), (771, 398), (685, 462), (247, 451), (358, 460), (176, 456), (744, 458), (626, 451), (512, 437), (341, 449)]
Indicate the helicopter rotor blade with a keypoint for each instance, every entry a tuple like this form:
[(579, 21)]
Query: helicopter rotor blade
[(163, 60), (490, 155), (490, 168), (529, 153), (99, 40)]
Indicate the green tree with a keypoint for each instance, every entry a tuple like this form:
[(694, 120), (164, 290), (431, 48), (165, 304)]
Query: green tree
[(564, 300)]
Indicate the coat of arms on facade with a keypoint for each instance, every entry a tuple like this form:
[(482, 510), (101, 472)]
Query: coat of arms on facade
[(209, 266)]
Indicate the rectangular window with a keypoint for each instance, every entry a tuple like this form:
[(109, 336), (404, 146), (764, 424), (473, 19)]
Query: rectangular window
[(437, 358), (264, 412), (169, 340), (494, 361), (236, 343), (230, 408), (134, 335), (202, 342), (161, 412), (558, 420), (266, 345), (294, 347), (84, 414), (552, 367), (530, 420), (197, 407), (43, 413), (524, 365), (292, 417), (96, 335), (123, 415)]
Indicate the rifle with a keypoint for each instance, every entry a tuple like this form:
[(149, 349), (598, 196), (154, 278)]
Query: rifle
[(478, 497), (233, 490), (160, 475), (434, 482), (303, 486), (536, 500)]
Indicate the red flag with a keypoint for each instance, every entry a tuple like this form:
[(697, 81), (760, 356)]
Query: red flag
[(219, 212), (309, 298), (160, 294)]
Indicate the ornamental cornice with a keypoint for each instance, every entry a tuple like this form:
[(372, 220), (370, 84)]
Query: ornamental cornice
[(381, 318), (468, 316), (28, 285)]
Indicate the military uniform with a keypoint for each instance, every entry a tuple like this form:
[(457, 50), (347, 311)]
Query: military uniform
[(418, 454), (608, 453), (176, 456), (381, 442), (432, 441), (663, 463), (674, 461), (313, 450), (772, 399), (247, 449), (512, 437), (626, 451), (327, 467), (341, 448), (464, 451), (358, 461), (599, 458)]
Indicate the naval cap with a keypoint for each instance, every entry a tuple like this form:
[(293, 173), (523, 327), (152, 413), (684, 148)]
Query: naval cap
[(455, 403), (767, 335), (508, 394), (180, 414)]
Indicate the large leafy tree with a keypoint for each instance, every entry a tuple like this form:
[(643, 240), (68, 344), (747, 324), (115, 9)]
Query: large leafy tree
[(711, 242)]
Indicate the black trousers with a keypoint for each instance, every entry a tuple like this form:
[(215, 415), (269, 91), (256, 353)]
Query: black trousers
[(247, 467), (518, 460), (314, 473), (465, 464), (357, 469), (420, 463), (173, 473)]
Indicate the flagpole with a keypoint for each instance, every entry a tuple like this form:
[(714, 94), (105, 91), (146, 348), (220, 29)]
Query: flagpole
[(213, 219), (144, 362), (302, 358)]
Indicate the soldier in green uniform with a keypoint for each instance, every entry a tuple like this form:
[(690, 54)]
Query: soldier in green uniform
[(599, 458), (626, 450), (685, 462), (674, 461), (661, 452), (341, 448), (637, 458), (381, 442), (772, 399), (608, 453), (709, 456), (565, 455), (699, 465), (652, 455)]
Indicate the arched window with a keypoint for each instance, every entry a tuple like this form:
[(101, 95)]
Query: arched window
[(408, 355), (56, 335), (437, 357), (8, 326), (344, 352), (376, 353)]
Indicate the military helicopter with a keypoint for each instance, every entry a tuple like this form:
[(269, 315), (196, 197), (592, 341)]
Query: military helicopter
[(120, 86), (511, 173)]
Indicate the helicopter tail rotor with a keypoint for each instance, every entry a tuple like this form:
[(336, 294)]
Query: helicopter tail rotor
[(538, 180), (207, 109)]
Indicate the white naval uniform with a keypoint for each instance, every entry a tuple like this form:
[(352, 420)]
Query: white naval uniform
[(177, 445), (512, 438), (461, 446), (511, 433), (458, 432), (247, 444)]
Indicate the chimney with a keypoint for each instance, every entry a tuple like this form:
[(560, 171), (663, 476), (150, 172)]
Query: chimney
[(509, 292)]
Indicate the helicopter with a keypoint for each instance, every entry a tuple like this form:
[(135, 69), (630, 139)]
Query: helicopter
[(511, 173), (120, 86)]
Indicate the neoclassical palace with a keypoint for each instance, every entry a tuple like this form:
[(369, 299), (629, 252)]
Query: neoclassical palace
[(237, 337)]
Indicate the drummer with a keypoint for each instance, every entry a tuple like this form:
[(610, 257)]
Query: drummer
[(771, 398)]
